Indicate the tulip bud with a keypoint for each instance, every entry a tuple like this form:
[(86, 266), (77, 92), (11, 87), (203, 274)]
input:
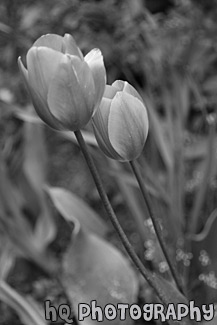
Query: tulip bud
[(65, 87), (121, 122)]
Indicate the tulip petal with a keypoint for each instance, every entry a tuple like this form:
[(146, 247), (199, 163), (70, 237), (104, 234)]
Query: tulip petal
[(85, 80), (51, 41), (119, 84), (100, 126), (70, 46), (105, 146), (109, 92), (43, 111), (100, 118), (66, 99), (42, 63), (126, 87), (127, 125), (38, 102), (95, 61)]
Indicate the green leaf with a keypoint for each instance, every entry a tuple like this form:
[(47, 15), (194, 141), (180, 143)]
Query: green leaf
[(72, 208), (95, 270)]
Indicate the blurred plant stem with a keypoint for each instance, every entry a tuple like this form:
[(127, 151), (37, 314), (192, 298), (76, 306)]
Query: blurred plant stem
[(210, 161), (156, 225), (130, 250)]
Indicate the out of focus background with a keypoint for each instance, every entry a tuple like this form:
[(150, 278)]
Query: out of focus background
[(167, 50)]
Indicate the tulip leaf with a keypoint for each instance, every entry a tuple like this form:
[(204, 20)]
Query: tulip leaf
[(159, 135), (16, 225), (34, 178), (95, 270), (28, 312), (72, 208)]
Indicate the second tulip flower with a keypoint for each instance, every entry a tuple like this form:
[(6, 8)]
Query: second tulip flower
[(121, 122)]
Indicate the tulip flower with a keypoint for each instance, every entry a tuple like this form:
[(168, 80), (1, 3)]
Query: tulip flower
[(121, 122), (65, 87)]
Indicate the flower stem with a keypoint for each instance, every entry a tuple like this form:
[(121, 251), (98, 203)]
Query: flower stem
[(150, 278), (156, 225)]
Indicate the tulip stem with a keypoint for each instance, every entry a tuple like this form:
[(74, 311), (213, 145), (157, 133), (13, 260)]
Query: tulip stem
[(156, 225), (150, 278)]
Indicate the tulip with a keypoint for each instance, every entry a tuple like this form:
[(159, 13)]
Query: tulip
[(121, 122), (65, 87)]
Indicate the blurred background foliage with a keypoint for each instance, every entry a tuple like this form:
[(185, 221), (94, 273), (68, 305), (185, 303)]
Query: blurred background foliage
[(168, 51)]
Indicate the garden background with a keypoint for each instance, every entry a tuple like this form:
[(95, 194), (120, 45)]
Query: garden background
[(168, 51)]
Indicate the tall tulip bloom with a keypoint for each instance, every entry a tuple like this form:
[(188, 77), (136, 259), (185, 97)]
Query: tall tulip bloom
[(65, 87), (121, 122)]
